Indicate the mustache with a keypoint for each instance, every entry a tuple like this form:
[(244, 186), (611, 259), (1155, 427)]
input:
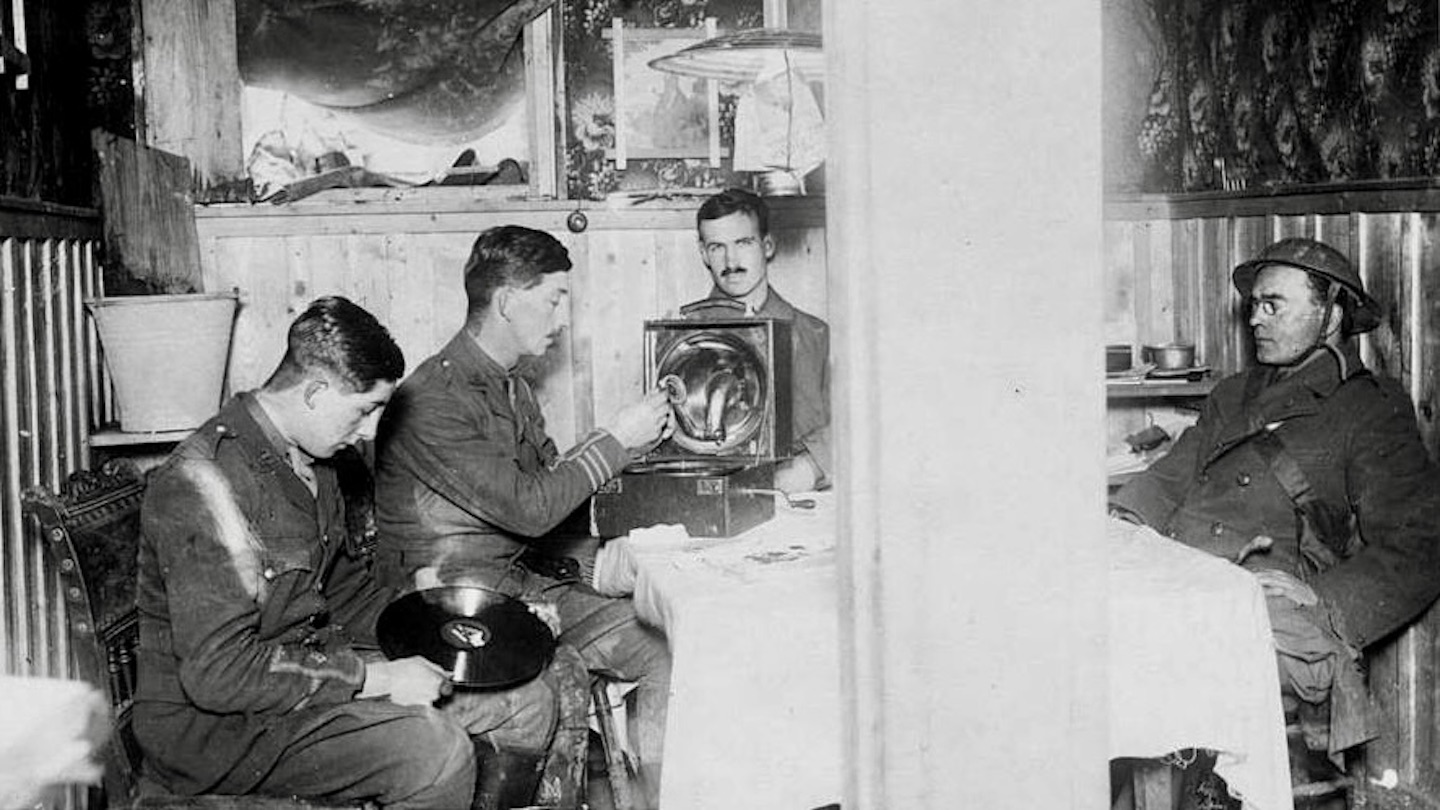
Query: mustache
[(730, 271)]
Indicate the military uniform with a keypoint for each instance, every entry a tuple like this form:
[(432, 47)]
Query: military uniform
[(1357, 444), (256, 606), (469, 483)]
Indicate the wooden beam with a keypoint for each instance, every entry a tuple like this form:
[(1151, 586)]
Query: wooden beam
[(540, 72), (1369, 197), (191, 85), (31, 219)]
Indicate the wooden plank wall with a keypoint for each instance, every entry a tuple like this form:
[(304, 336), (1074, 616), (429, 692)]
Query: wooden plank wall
[(50, 373), (403, 261), (147, 204), (1168, 271)]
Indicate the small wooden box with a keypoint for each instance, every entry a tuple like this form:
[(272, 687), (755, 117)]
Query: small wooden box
[(714, 501)]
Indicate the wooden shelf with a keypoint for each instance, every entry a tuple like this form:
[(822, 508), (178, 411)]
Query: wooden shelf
[(111, 437), (1158, 389)]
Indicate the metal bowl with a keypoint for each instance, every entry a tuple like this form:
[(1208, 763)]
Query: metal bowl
[(1171, 356)]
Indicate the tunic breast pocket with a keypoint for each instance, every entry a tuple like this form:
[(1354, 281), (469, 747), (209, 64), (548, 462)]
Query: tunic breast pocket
[(290, 607), (289, 552), (284, 560)]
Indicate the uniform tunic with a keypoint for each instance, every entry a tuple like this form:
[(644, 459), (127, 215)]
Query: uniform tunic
[(466, 476), (467, 481), (256, 604)]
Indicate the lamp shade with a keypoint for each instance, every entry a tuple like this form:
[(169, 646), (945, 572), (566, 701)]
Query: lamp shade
[(743, 55)]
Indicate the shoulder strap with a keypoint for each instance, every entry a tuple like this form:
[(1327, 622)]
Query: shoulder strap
[(1315, 523), (1285, 469)]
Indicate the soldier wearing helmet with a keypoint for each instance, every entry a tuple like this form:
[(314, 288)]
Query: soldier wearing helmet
[(1308, 470), (1338, 305)]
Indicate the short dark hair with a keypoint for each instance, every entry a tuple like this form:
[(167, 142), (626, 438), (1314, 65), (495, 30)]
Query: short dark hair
[(735, 201), (510, 256), (342, 338)]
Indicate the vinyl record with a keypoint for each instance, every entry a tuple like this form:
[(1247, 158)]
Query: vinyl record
[(485, 639)]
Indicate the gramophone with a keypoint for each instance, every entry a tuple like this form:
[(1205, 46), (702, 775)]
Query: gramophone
[(727, 378)]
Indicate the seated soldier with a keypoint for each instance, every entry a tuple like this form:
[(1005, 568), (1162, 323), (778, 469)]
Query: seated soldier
[(258, 667), (736, 247), (470, 487), (1308, 470)]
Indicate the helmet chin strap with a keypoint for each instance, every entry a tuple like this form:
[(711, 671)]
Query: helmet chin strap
[(1321, 344)]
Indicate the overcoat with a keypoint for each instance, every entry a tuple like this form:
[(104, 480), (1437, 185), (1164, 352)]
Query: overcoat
[(1353, 436)]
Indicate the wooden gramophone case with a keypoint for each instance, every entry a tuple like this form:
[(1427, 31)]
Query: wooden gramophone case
[(729, 384)]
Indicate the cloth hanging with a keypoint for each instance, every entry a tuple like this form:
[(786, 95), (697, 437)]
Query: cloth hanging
[(428, 73)]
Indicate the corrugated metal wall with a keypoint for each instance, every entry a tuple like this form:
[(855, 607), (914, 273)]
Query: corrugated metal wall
[(1168, 277), (49, 368)]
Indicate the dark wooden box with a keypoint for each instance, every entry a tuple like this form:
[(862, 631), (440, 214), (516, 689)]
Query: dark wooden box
[(710, 500)]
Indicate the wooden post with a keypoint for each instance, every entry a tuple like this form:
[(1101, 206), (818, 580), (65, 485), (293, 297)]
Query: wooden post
[(965, 339), (189, 83)]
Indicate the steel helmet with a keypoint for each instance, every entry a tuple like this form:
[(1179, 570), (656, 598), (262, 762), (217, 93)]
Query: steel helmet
[(1319, 259)]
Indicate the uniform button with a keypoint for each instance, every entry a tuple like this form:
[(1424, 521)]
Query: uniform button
[(1204, 478), (269, 573), (221, 429), (1243, 479), (1217, 528)]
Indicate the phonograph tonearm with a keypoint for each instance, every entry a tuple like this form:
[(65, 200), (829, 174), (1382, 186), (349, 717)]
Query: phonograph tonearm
[(728, 382)]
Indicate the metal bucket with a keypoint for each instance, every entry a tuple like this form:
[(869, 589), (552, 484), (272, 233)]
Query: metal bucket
[(166, 355)]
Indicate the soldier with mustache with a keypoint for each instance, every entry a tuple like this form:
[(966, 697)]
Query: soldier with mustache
[(736, 246)]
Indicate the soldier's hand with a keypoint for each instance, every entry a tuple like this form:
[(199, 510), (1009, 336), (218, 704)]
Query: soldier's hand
[(548, 612), (642, 425), (413, 681)]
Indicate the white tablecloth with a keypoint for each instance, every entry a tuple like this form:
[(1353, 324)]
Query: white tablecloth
[(753, 625), (754, 718), (1192, 664)]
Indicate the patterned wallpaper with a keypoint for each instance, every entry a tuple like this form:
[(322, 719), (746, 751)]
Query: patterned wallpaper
[(1270, 93)]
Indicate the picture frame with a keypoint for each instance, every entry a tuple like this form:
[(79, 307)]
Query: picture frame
[(657, 114)]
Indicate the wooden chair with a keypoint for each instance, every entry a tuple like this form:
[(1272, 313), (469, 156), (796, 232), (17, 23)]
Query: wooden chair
[(91, 533), (619, 771)]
